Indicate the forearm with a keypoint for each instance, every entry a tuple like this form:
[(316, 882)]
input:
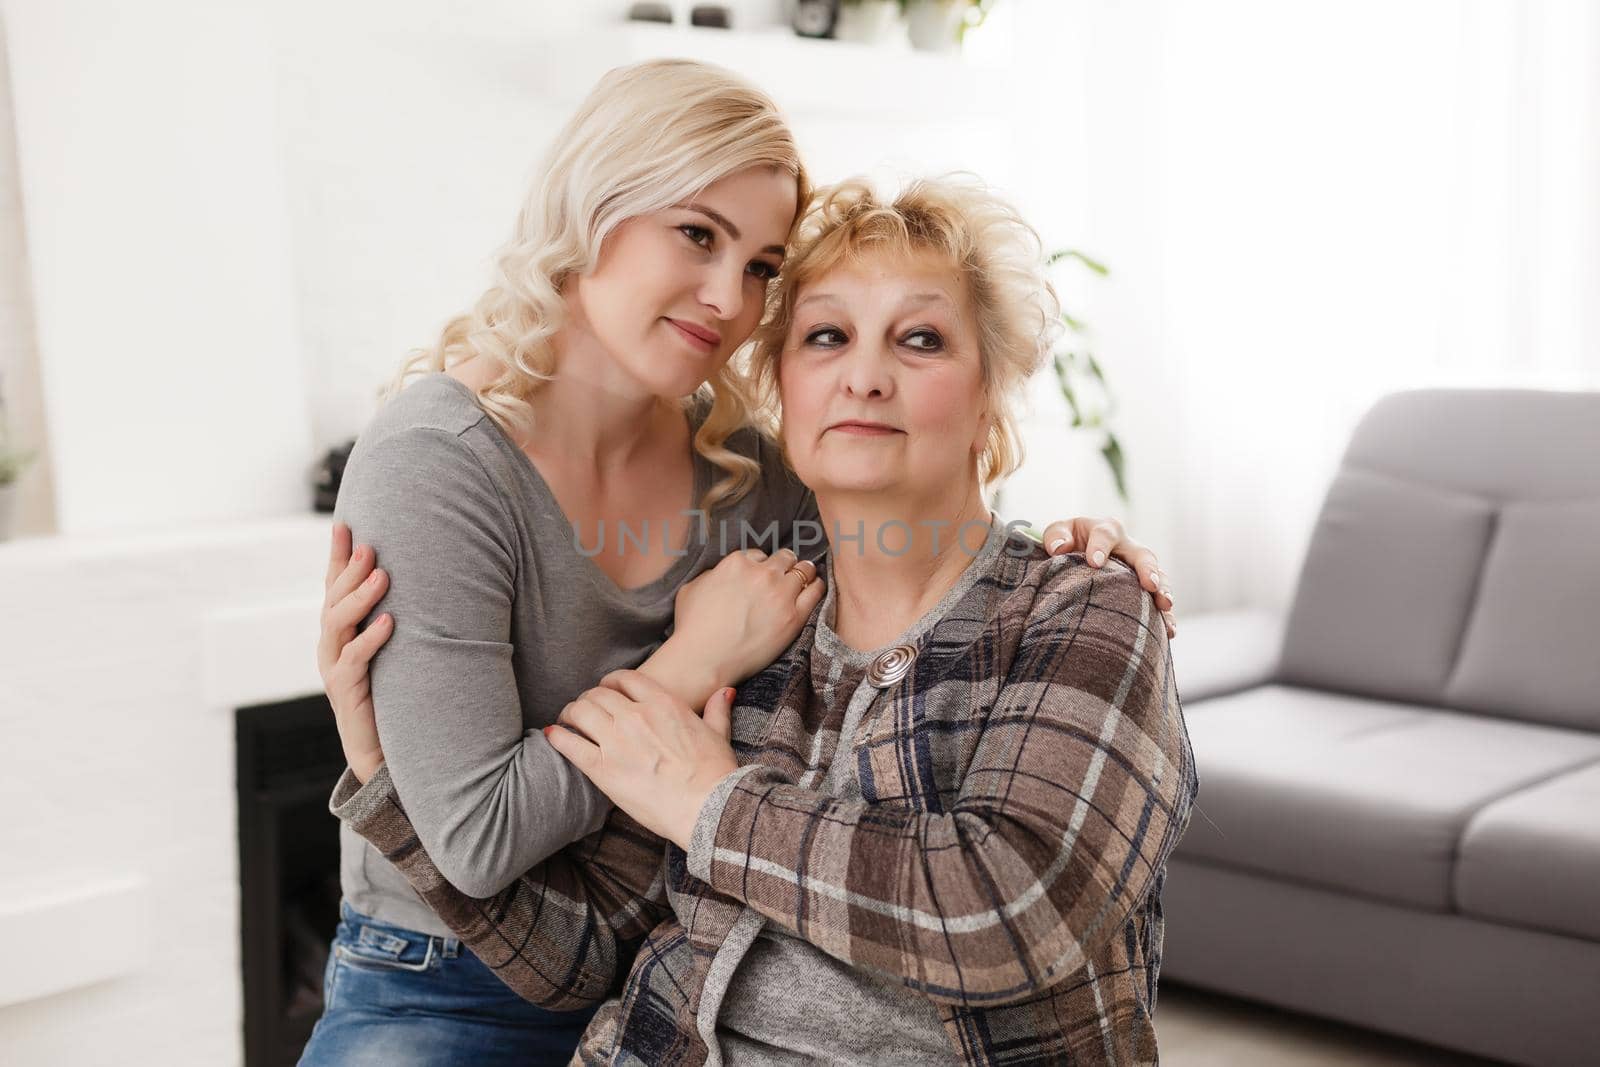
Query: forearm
[(973, 907), (688, 674), (559, 957)]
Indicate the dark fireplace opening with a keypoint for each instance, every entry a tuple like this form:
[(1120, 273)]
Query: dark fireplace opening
[(288, 761)]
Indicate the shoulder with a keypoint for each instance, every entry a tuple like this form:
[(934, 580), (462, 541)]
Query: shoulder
[(435, 402), (1048, 594), (428, 442)]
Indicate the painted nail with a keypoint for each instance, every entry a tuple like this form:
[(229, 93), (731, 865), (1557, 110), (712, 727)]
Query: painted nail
[(1053, 545), (1099, 558)]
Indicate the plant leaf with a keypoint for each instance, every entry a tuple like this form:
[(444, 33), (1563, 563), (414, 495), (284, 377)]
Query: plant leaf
[(1112, 451)]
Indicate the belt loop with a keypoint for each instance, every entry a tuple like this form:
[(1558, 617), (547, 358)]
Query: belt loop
[(452, 947)]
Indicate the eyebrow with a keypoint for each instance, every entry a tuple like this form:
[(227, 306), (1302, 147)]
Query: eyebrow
[(914, 298), (722, 220)]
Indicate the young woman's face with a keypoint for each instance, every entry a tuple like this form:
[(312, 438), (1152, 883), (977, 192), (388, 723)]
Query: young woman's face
[(676, 292), (881, 380)]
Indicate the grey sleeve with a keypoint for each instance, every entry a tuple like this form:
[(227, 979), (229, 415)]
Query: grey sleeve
[(487, 799)]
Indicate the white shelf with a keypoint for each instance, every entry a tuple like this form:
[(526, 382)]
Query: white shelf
[(805, 76)]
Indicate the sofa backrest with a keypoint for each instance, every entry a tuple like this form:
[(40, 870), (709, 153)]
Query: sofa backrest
[(1456, 560)]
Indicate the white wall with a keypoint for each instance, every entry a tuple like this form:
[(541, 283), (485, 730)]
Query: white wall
[(155, 212), (1306, 206)]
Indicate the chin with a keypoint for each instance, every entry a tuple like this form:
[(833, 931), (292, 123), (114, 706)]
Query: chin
[(855, 480), (670, 375)]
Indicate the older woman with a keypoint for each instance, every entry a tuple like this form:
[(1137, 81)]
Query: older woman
[(936, 828)]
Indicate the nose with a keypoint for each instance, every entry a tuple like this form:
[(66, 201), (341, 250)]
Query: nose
[(722, 290), (868, 371)]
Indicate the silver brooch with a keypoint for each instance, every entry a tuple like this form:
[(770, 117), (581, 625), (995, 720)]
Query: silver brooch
[(890, 666)]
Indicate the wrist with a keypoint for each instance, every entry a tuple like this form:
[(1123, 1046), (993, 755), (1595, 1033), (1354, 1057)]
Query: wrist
[(699, 796), (364, 768), (688, 676)]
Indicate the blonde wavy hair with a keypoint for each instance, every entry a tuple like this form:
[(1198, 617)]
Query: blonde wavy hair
[(997, 255), (648, 136)]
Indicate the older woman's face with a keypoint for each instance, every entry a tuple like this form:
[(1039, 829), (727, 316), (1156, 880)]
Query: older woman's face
[(881, 379)]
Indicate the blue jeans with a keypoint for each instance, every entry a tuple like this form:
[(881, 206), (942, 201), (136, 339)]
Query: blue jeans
[(395, 997)]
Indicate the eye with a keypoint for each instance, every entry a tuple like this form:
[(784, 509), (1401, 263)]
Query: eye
[(826, 337), (698, 234), (763, 270), (924, 340)]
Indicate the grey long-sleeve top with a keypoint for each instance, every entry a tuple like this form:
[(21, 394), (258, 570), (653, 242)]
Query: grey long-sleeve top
[(500, 621)]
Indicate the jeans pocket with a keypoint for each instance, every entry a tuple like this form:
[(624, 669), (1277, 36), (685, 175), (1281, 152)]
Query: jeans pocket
[(363, 961), (375, 948)]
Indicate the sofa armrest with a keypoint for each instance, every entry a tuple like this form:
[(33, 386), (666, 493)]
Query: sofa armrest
[(1222, 652)]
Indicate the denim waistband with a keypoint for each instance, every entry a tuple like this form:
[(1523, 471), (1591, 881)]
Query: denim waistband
[(387, 938)]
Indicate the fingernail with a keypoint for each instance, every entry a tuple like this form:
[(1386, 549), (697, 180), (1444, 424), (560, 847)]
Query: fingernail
[(1099, 558), (372, 579), (1053, 545), (728, 693)]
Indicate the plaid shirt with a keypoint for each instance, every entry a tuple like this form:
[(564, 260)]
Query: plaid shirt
[(1022, 787)]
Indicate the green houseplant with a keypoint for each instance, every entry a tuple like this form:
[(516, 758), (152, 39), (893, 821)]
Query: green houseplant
[(1082, 380), (939, 25), (12, 463)]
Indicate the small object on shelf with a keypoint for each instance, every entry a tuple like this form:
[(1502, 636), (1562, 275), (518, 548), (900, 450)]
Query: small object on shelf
[(650, 12), (816, 18), (937, 25), (715, 16), (867, 21), (330, 472)]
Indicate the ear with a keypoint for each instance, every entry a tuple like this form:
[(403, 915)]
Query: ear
[(980, 439)]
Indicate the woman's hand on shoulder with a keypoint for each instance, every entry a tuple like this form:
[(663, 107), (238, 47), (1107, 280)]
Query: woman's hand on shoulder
[(741, 614), (1102, 539), (351, 589)]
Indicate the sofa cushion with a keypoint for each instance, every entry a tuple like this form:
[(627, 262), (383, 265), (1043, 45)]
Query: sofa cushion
[(1356, 794), (1386, 588), (1529, 650), (1533, 858)]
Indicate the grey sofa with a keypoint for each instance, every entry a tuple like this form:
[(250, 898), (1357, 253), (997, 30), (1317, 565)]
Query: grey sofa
[(1398, 822)]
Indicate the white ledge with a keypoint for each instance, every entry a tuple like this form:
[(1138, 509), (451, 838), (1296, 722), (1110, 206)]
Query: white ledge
[(106, 921)]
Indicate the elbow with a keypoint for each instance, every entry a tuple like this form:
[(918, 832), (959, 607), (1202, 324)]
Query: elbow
[(474, 867), (473, 879)]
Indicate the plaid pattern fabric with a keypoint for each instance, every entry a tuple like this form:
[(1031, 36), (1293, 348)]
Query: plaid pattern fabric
[(1022, 787)]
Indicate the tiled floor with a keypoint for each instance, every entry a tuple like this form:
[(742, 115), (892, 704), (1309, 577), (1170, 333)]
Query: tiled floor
[(1199, 1029)]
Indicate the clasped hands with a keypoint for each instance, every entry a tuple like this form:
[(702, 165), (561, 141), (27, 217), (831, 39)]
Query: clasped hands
[(651, 753)]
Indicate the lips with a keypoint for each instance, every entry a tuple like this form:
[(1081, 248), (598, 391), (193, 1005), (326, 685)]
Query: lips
[(863, 427), (697, 335)]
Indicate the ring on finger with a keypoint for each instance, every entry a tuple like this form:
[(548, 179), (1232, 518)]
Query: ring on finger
[(805, 569)]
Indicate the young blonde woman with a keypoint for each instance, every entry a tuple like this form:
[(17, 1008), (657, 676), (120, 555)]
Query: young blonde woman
[(542, 504)]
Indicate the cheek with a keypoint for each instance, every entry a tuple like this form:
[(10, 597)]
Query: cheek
[(946, 404), (801, 393)]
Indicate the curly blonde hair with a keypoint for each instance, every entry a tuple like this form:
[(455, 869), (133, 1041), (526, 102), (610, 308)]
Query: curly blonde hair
[(997, 255), (648, 136)]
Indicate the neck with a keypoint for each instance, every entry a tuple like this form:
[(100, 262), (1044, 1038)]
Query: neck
[(883, 588), (591, 415)]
